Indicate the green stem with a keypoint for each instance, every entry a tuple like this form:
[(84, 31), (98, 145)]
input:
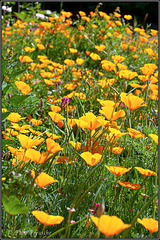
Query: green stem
[(44, 226), (126, 232), (62, 229)]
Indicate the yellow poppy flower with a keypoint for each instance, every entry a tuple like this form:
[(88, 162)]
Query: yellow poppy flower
[(109, 225), (149, 223), (43, 179), (146, 172), (47, 219), (117, 170), (91, 159)]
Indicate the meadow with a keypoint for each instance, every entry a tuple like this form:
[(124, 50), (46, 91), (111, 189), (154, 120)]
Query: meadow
[(79, 125)]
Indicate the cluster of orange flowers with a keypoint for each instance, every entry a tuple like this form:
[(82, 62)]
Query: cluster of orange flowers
[(69, 80)]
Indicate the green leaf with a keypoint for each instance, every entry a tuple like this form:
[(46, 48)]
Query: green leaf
[(18, 73), (5, 115), (22, 15), (13, 205), (17, 99), (6, 142), (3, 66)]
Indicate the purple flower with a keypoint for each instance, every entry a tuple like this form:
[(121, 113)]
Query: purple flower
[(64, 100), (57, 83)]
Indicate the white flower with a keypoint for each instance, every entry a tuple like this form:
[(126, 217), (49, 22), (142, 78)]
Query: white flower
[(6, 8), (48, 12), (39, 15)]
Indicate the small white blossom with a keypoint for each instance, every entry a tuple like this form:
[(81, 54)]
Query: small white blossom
[(6, 8), (48, 12), (39, 15)]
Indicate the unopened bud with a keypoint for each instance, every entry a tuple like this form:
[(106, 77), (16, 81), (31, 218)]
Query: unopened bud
[(101, 208)]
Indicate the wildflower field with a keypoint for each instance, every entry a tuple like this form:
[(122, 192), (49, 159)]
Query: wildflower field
[(79, 125)]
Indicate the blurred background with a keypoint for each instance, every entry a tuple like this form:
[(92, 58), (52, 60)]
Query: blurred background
[(144, 13)]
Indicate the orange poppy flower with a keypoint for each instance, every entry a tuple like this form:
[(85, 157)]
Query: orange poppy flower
[(149, 223), (110, 114), (29, 49), (95, 56), (36, 156), (129, 185), (79, 61), (25, 59), (127, 74), (146, 172), (109, 225), (21, 129), (82, 14), (91, 121), (47, 219), (40, 46), (148, 68), (56, 117), (70, 86), (52, 146), (132, 102), (135, 133), (108, 65), (76, 145), (91, 159), (28, 142), (55, 108), (66, 14), (107, 103), (72, 50), (23, 87), (14, 117), (154, 137), (100, 47), (117, 170), (117, 150), (118, 58), (43, 179), (128, 17), (69, 62), (36, 122), (52, 135)]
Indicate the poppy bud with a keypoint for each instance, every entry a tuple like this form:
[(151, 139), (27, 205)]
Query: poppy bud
[(101, 208)]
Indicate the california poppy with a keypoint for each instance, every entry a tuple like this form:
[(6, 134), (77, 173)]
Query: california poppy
[(109, 225), (36, 156), (117, 170), (149, 223), (14, 117), (146, 172), (91, 121), (52, 146), (132, 102), (28, 142), (36, 122), (129, 185), (110, 114), (23, 87), (56, 117), (135, 133), (91, 159), (95, 56), (154, 137), (43, 179), (47, 219)]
